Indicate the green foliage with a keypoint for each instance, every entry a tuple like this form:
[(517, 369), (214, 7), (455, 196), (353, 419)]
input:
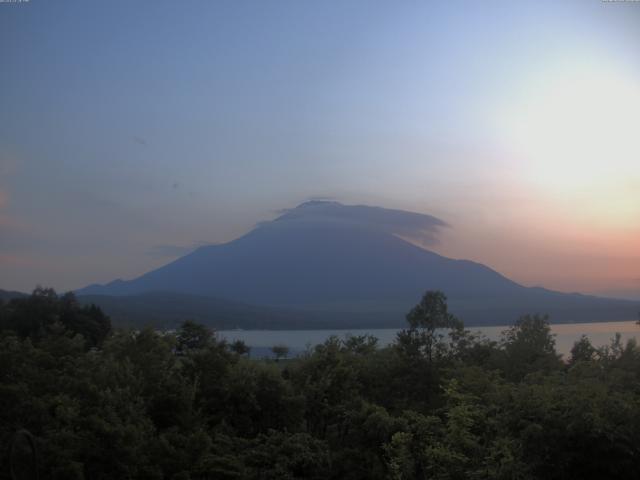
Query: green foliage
[(280, 351), (192, 336), (44, 313), (240, 347), (529, 347), (427, 320), (582, 351), (440, 403)]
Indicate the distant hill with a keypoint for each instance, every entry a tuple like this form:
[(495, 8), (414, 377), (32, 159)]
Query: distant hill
[(339, 262), (166, 310), (6, 295)]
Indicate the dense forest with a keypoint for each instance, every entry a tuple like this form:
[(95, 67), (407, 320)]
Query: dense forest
[(79, 399)]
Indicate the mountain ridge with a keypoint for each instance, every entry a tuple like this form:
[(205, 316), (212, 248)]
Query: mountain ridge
[(329, 258)]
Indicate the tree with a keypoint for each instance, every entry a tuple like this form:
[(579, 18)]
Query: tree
[(582, 351), (258, 398), (240, 347), (88, 320), (529, 346), (360, 344), (44, 313), (280, 351), (34, 315), (278, 455), (425, 319), (192, 336)]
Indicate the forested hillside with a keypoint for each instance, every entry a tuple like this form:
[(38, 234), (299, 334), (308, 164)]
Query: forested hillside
[(81, 400)]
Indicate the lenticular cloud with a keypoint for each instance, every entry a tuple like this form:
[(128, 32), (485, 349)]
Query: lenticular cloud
[(417, 226)]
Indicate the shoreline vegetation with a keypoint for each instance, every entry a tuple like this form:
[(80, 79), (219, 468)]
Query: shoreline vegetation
[(80, 399), (565, 335), (166, 310)]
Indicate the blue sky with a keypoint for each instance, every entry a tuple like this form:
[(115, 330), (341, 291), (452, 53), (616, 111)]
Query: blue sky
[(133, 131)]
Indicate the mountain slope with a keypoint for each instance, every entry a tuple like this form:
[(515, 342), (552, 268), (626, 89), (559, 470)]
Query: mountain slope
[(327, 257), (167, 309), (6, 295)]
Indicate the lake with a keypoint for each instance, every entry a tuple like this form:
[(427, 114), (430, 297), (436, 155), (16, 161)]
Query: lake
[(261, 341)]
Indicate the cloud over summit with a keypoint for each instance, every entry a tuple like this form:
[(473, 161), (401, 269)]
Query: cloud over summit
[(416, 226)]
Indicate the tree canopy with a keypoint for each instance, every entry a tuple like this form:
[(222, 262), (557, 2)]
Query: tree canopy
[(79, 400)]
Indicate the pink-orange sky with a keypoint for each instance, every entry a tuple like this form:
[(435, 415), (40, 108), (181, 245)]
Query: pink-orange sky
[(133, 132)]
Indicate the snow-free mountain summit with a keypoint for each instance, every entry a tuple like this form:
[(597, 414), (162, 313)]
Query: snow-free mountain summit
[(344, 261)]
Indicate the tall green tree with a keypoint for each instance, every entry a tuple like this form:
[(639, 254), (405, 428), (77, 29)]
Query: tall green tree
[(428, 321), (529, 346)]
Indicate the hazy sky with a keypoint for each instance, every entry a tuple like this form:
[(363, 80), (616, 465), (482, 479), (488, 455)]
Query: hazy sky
[(132, 131)]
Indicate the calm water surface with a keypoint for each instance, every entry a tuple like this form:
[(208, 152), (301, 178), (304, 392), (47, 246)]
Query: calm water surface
[(297, 340)]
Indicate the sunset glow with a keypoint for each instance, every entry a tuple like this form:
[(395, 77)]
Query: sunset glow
[(577, 137), (515, 123)]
